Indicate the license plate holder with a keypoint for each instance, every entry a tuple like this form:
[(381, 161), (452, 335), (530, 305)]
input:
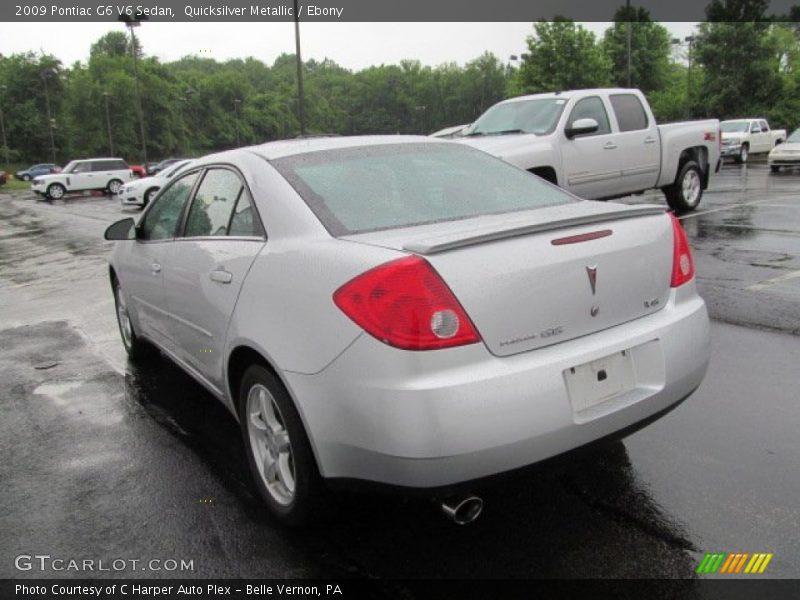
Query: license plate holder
[(600, 380)]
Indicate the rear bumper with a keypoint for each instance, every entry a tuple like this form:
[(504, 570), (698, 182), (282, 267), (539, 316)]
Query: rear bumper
[(435, 419)]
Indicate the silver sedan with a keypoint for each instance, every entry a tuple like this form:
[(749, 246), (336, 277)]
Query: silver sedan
[(407, 311)]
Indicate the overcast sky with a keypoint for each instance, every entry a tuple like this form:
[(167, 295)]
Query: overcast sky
[(352, 45)]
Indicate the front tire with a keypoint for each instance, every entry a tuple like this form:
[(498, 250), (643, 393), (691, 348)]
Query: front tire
[(774, 168), (113, 187), (685, 194), (56, 191), (148, 196), (26, 177), (135, 347), (278, 451), (744, 154)]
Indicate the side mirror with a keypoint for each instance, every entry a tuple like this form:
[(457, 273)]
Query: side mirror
[(581, 126), (121, 230)]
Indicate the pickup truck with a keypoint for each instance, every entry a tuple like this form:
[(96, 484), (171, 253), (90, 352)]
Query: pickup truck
[(600, 144), (743, 137)]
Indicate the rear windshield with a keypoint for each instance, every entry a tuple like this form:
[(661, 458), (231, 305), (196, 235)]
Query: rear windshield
[(369, 188)]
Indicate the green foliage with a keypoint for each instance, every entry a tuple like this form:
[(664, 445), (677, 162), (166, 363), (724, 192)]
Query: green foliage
[(563, 56), (650, 49)]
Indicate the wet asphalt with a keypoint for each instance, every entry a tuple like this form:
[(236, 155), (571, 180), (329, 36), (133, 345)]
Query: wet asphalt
[(106, 460)]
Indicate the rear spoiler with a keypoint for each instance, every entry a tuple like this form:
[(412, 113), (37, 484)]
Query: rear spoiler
[(492, 233)]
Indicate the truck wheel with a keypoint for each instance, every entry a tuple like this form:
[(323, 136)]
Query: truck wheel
[(774, 168), (684, 195), (744, 152)]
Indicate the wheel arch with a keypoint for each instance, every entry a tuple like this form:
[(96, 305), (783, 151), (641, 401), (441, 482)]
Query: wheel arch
[(546, 173), (239, 360), (698, 154)]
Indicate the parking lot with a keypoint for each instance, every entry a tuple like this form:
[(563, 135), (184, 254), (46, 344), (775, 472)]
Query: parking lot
[(108, 460)]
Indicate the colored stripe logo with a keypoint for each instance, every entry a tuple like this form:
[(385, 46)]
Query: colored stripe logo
[(734, 563)]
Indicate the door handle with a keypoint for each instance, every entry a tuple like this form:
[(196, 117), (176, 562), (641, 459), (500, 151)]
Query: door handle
[(609, 146), (221, 276), (649, 140), (156, 268)]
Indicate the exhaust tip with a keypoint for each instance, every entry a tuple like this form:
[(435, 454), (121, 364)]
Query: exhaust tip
[(463, 511)]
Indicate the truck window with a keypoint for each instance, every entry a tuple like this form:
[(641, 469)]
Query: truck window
[(629, 111), (764, 126), (591, 108)]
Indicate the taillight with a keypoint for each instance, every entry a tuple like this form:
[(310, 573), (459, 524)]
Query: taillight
[(406, 304), (682, 263)]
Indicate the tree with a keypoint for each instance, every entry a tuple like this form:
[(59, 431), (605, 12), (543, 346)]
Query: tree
[(650, 49), (735, 51), (561, 56)]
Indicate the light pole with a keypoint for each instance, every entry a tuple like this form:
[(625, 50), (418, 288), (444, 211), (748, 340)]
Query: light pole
[(628, 35), (130, 23), (3, 89), (300, 97), (46, 74), (236, 103), (106, 95)]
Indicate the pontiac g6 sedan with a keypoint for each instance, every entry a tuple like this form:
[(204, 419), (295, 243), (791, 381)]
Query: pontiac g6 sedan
[(407, 311)]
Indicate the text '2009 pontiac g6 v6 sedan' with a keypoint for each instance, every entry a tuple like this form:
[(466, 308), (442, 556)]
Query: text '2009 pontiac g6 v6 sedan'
[(405, 311)]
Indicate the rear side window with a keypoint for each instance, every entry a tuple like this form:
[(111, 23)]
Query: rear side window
[(213, 205), (591, 108), (161, 220), (369, 188), (244, 221), (629, 111)]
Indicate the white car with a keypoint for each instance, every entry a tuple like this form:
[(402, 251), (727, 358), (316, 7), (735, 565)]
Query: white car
[(743, 137), (787, 154), (407, 311), (106, 174), (141, 191)]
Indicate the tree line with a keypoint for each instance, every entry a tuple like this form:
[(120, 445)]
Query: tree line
[(737, 64)]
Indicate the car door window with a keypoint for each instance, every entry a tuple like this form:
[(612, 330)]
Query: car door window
[(629, 111), (754, 128), (591, 108), (213, 204), (764, 126), (161, 221), (82, 168)]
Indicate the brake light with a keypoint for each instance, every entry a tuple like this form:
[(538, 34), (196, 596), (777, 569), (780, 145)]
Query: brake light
[(406, 304), (682, 262)]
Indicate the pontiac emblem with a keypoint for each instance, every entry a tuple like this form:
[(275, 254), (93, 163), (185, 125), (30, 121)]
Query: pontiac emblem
[(592, 273)]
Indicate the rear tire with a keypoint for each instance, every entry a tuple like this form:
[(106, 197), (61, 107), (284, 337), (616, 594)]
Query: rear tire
[(685, 194), (278, 451), (113, 187), (774, 168), (26, 177)]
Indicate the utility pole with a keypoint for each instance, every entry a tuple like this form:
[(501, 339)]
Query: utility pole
[(108, 124), (130, 23), (3, 89), (300, 97), (628, 15), (49, 72), (689, 41), (236, 103)]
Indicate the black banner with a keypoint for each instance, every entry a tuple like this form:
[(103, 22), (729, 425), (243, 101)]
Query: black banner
[(353, 10)]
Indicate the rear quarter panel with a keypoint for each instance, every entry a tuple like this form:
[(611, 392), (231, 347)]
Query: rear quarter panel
[(677, 137)]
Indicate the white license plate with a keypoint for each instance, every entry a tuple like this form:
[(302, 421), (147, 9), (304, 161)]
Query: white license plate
[(601, 380)]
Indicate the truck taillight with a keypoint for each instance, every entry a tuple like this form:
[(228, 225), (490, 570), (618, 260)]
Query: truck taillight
[(682, 262), (406, 304)]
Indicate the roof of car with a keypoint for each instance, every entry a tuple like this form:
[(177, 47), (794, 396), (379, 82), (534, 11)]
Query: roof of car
[(283, 148), (567, 94)]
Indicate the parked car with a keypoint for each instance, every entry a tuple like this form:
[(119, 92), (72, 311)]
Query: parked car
[(107, 174), (36, 170), (332, 294), (601, 143), (160, 166), (786, 154), (141, 191), (743, 137)]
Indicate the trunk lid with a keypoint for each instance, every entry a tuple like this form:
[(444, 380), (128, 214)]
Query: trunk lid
[(528, 281)]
